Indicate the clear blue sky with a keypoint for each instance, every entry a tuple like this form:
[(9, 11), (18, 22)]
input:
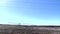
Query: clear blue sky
[(31, 12)]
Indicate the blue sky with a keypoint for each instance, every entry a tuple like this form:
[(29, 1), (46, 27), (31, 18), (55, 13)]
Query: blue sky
[(30, 12)]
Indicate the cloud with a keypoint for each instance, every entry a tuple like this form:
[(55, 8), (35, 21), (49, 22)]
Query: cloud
[(3, 2)]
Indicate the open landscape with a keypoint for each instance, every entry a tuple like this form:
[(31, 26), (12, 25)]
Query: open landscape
[(26, 29), (29, 16)]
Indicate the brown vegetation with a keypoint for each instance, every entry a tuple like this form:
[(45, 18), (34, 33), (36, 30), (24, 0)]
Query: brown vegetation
[(23, 29)]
